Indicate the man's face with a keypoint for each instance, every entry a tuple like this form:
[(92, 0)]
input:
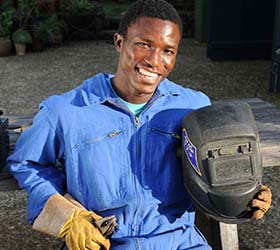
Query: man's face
[(147, 56)]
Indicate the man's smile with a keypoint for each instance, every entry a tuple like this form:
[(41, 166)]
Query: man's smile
[(147, 74)]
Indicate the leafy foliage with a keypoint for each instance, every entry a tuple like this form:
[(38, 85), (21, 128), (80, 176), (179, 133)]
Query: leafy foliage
[(46, 27), (22, 36), (76, 6), (6, 21)]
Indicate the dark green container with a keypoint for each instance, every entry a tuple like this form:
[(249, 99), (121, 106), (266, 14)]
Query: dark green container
[(201, 20)]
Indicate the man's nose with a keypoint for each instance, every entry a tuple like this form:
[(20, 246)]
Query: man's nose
[(153, 58)]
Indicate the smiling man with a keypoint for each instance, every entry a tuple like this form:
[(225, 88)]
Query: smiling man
[(115, 138), (147, 55)]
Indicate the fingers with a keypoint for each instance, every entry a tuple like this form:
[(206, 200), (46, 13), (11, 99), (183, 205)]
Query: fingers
[(99, 239), (91, 244), (262, 205), (257, 215), (262, 202), (264, 194), (94, 216)]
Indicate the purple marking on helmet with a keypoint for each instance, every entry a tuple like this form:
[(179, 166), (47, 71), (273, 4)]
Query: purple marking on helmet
[(191, 152)]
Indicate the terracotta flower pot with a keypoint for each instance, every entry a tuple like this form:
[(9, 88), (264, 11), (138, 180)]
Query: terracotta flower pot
[(20, 49), (5, 46)]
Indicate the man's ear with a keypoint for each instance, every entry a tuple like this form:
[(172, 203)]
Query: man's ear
[(118, 41)]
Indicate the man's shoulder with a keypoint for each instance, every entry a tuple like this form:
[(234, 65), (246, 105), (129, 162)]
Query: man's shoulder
[(74, 97), (195, 97)]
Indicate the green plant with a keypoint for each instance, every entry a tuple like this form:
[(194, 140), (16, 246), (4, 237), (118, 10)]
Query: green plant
[(6, 22), (25, 11), (56, 23), (45, 29), (76, 6), (22, 36)]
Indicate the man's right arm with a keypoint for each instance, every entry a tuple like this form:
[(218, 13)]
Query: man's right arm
[(33, 162)]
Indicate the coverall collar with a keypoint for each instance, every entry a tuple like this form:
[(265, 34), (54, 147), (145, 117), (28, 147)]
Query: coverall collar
[(94, 95)]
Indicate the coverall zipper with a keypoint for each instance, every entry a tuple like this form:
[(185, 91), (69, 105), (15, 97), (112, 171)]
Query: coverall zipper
[(136, 121), (174, 135), (138, 204), (137, 168), (112, 134), (134, 223), (137, 244)]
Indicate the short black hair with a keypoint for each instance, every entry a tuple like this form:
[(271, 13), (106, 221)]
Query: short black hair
[(149, 8)]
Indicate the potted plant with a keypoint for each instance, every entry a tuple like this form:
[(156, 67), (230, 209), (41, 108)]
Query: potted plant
[(48, 30), (58, 29), (41, 34), (26, 10), (21, 38), (83, 18), (6, 21)]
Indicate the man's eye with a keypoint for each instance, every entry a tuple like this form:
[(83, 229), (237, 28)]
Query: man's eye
[(169, 52), (143, 45)]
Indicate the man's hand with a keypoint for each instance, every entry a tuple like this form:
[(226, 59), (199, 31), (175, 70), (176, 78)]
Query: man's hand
[(262, 202), (66, 218), (80, 233)]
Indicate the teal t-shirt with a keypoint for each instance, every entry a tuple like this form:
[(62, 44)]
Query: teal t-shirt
[(134, 108)]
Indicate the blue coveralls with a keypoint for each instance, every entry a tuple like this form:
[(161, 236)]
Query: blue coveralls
[(113, 162)]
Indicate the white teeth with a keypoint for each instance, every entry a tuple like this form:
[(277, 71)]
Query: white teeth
[(147, 73)]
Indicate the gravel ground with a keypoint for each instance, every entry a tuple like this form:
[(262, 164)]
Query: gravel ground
[(26, 81)]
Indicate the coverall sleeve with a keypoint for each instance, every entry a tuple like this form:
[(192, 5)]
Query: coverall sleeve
[(33, 162)]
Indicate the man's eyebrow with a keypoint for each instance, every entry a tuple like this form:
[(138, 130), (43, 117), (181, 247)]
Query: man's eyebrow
[(172, 47), (146, 39), (169, 46)]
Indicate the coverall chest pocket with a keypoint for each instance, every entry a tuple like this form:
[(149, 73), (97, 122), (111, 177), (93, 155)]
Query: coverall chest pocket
[(163, 173), (98, 161)]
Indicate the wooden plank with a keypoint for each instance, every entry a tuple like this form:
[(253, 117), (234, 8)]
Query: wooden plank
[(8, 184), (268, 122), (247, 100), (266, 127), (269, 143), (16, 117), (20, 121), (270, 138), (258, 106), (266, 116), (210, 228), (229, 236), (257, 102), (270, 248), (271, 157)]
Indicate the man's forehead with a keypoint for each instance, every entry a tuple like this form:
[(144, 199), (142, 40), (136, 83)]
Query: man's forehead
[(145, 19), (149, 28)]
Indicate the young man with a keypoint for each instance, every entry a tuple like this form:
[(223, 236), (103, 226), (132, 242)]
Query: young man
[(115, 137)]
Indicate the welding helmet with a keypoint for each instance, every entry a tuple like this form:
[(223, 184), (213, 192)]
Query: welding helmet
[(221, 160)]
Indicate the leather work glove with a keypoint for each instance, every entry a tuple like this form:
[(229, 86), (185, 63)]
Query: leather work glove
[(79, 232), (81, 229), (261, 202)]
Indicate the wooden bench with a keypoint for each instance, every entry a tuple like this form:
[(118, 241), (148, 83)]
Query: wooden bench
[(220, 236), (17, 124)]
